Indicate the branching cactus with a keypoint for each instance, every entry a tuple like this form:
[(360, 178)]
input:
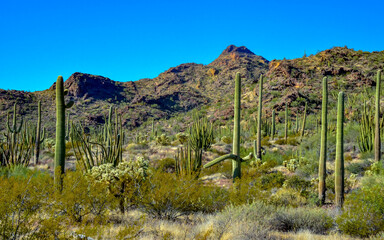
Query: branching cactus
[(235, 155), (14, 130), (323, 145), (39, 137), (339, 162), (60, 130)]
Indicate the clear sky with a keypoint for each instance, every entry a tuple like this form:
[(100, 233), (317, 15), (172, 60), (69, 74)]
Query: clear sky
[(129, 40)]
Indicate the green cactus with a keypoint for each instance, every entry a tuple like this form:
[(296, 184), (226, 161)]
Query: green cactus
[(14, 129), (286, 124), (273, 124), (339, 162), (323, 144), (39, 136), (258, 150), (377, 119), (304, 120), (366, 130), (184, 162), (235, 156), (60, 131)]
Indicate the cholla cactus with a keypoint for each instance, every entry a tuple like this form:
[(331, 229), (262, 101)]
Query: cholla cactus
[(125, 171)]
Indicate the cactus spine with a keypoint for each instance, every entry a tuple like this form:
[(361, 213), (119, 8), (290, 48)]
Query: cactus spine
[(258, 151), (339, 162), (286, 124), (304, 120), (273, 125), (235, 156), (323, 144), (60, 130), (377, 119), (39, 139)]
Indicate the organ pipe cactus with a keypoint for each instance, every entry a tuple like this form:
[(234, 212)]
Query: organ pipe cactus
[(59, 163), (235, 155), (39, 139), (323, 144), (377, 119), (258, 150), (339, 162)]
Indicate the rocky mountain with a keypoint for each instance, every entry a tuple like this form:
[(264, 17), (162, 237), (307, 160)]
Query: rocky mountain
[(188, 86)]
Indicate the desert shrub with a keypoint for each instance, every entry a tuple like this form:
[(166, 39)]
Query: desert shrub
[(297, 219), (163, 140), (124, 180), (23, 203), (166, 165), (182, 137), (226, 139), (287, 197), (363, 210), (247, 221), (80, 198), (247, 190), (272, 180), (166, 196), (356, 168), (298, 184)]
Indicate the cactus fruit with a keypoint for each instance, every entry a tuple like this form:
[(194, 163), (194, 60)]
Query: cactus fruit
[(60, 130), (258, 150), (236, 159), (377, 119), (339, 162), (323, 144), (39, 139)]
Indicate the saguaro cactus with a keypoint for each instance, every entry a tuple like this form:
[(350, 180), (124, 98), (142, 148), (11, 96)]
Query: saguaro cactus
[(377, 119), (304, 120), (273, 125), (339, 162), (286, 124), (60, 130), (39, 140), (235, 156), (258, 151), (323, 144), (14, 129)]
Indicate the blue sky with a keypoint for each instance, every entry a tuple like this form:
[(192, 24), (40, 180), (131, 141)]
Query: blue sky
[(130, 40)]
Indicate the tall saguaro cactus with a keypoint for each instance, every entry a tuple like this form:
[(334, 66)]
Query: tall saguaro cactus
[(286, 124), (60, 130), (304, 120), (14, 129), (235, 156), (258, 151), (323, 144), (39, 139), (377, 119), (273, 125), (339, 162)]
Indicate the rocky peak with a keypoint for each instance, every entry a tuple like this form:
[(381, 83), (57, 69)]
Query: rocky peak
[(237, 50)]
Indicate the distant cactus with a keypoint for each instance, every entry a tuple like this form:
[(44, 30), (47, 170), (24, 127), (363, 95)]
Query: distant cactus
[(323, 145), (235, 156), (60, 131), (258, 149), (377, 119), (366, 130), (273, 125), (14, 129), (339, 162), (39, 139), (286, 124), (304, 120)]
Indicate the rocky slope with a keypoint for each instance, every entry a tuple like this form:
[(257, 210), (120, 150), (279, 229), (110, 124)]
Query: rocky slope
[(191, 85)]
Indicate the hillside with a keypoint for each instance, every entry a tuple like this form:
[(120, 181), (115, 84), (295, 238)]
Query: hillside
[(188, 86)]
